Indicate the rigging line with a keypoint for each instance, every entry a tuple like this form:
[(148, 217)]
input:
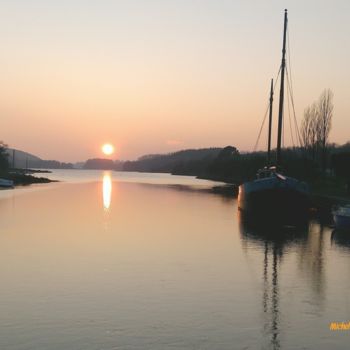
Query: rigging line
[(278, 75), (289, 82), (267, 109), (261, 128), (267, 143), (291, 89), (290, 123), (289, 63), (293, 106), (289, 86), (284, 106), (290, 120), (283, 128)]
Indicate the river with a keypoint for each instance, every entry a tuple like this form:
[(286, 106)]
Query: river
[(108, 260)]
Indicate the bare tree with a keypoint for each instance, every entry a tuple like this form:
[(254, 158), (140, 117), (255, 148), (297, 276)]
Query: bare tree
[(324, 122), (309, 129), (316, 126)]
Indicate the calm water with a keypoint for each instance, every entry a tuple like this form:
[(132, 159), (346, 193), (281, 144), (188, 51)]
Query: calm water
[(140, 261)]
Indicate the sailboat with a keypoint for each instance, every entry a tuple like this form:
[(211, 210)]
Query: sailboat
[(273, 195)]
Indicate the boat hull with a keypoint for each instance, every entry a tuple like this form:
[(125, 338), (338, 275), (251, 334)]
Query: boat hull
[(342, 222), (277, 200)]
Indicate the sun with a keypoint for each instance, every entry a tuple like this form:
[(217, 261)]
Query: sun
[(107, 149)]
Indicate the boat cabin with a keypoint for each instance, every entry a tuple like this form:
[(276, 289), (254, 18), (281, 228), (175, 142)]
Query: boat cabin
[(266, 172)]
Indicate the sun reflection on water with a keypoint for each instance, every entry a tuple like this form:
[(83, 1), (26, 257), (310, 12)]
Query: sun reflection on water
[(107, 191)]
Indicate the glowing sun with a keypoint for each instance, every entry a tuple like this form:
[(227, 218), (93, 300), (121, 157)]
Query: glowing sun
[(107, 149)]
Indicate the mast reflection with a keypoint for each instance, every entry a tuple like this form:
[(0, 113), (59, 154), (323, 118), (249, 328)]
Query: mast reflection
[(107, 191), (272, 242)]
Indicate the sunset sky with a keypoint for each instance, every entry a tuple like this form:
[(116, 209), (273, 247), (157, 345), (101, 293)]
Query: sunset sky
[(155, 76)]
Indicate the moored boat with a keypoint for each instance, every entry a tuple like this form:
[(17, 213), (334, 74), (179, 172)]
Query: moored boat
[(273, 195), (6, 183), (341, 217)]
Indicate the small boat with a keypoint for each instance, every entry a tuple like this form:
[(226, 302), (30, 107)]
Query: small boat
[(272, 196), (341, 217), (6, 183)]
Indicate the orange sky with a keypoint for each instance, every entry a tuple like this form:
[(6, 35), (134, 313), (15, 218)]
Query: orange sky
[(159, 75)]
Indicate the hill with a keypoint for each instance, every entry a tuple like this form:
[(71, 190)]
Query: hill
[(171, 162), (20, 159)]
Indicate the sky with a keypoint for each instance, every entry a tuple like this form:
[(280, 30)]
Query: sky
[(156, 76)]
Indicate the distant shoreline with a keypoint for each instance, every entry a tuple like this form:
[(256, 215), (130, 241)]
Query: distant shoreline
[(23, 177)]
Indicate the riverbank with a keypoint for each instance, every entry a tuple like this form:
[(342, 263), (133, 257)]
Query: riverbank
[(326, 193), (23, 177)]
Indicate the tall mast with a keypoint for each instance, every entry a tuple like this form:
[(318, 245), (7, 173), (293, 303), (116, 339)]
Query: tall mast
[(280, 110), (270, 126)]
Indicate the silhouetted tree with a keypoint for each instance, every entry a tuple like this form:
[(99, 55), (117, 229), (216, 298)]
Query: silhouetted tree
[(309, 130), (228, 153), (324, 122), (316, 126)]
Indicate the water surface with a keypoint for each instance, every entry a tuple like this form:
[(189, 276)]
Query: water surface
[(136, 261)]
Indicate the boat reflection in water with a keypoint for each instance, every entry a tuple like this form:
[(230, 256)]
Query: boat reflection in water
[(341, 239), (271, 243), (107, 190)]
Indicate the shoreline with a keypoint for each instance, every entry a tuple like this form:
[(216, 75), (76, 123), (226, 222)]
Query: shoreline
[(23, 178)]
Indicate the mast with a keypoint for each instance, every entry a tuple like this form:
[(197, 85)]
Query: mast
[(280, 109), (270, 126)]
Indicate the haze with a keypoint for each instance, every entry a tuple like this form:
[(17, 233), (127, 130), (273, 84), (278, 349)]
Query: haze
[(160, 75)]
